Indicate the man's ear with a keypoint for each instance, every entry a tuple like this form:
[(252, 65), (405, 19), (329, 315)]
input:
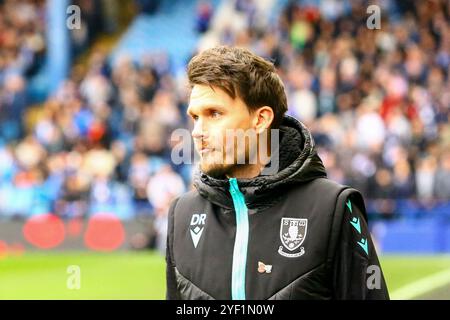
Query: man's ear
[(263, 118)]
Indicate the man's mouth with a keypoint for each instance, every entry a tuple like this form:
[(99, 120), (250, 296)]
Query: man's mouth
[(205, 150)]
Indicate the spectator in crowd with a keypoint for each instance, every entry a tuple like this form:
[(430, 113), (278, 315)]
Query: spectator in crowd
[(204, 14), (442, 178), (162, 188)]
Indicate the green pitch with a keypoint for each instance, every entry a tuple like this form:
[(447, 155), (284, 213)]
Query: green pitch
[(102, 276), (141, 275)]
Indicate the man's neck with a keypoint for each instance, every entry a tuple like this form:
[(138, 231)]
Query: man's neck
[(246, 171), (249, 171)]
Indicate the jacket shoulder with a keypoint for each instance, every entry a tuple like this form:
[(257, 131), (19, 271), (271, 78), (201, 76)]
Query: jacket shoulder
[(342, 192), (320, 189), (327, 185), (190, 197), (187, 203)]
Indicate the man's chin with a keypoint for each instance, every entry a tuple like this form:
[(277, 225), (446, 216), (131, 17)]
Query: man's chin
[(216, 171)]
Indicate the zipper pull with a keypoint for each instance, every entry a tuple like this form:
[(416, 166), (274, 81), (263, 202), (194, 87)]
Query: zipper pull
[(233, 185)]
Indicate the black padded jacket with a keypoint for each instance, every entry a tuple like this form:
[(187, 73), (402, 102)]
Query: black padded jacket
[(290, 235)]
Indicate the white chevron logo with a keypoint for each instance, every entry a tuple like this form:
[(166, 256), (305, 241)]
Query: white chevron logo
[(196, 234)]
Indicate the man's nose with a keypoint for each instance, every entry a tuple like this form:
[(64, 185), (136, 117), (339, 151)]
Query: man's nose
[(199, 131)]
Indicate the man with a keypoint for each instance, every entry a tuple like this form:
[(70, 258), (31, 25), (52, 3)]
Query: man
[(249, 231)]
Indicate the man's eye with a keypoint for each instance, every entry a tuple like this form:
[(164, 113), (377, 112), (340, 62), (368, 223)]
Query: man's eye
[(195, 118), (215, 114)]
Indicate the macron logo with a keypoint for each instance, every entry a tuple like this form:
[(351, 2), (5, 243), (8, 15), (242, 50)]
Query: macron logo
[(196, 228)]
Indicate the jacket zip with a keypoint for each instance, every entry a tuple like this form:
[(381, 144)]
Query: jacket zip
[(240, 242)]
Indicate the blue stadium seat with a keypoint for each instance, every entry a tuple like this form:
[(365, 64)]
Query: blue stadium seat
[(155, 33)]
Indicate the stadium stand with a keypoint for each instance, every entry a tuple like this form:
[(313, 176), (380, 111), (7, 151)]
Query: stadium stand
[(377, 102)]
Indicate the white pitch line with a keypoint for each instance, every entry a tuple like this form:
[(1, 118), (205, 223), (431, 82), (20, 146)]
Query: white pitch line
[(422, 286)]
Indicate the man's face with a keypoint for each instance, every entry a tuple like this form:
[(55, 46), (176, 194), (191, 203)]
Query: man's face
[(214, 113)]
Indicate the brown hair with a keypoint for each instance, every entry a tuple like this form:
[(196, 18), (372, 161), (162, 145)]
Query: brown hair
[(241, 73)]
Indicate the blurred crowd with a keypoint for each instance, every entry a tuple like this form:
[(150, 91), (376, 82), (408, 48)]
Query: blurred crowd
[(99, 144), (377, 102), (22, 53)]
